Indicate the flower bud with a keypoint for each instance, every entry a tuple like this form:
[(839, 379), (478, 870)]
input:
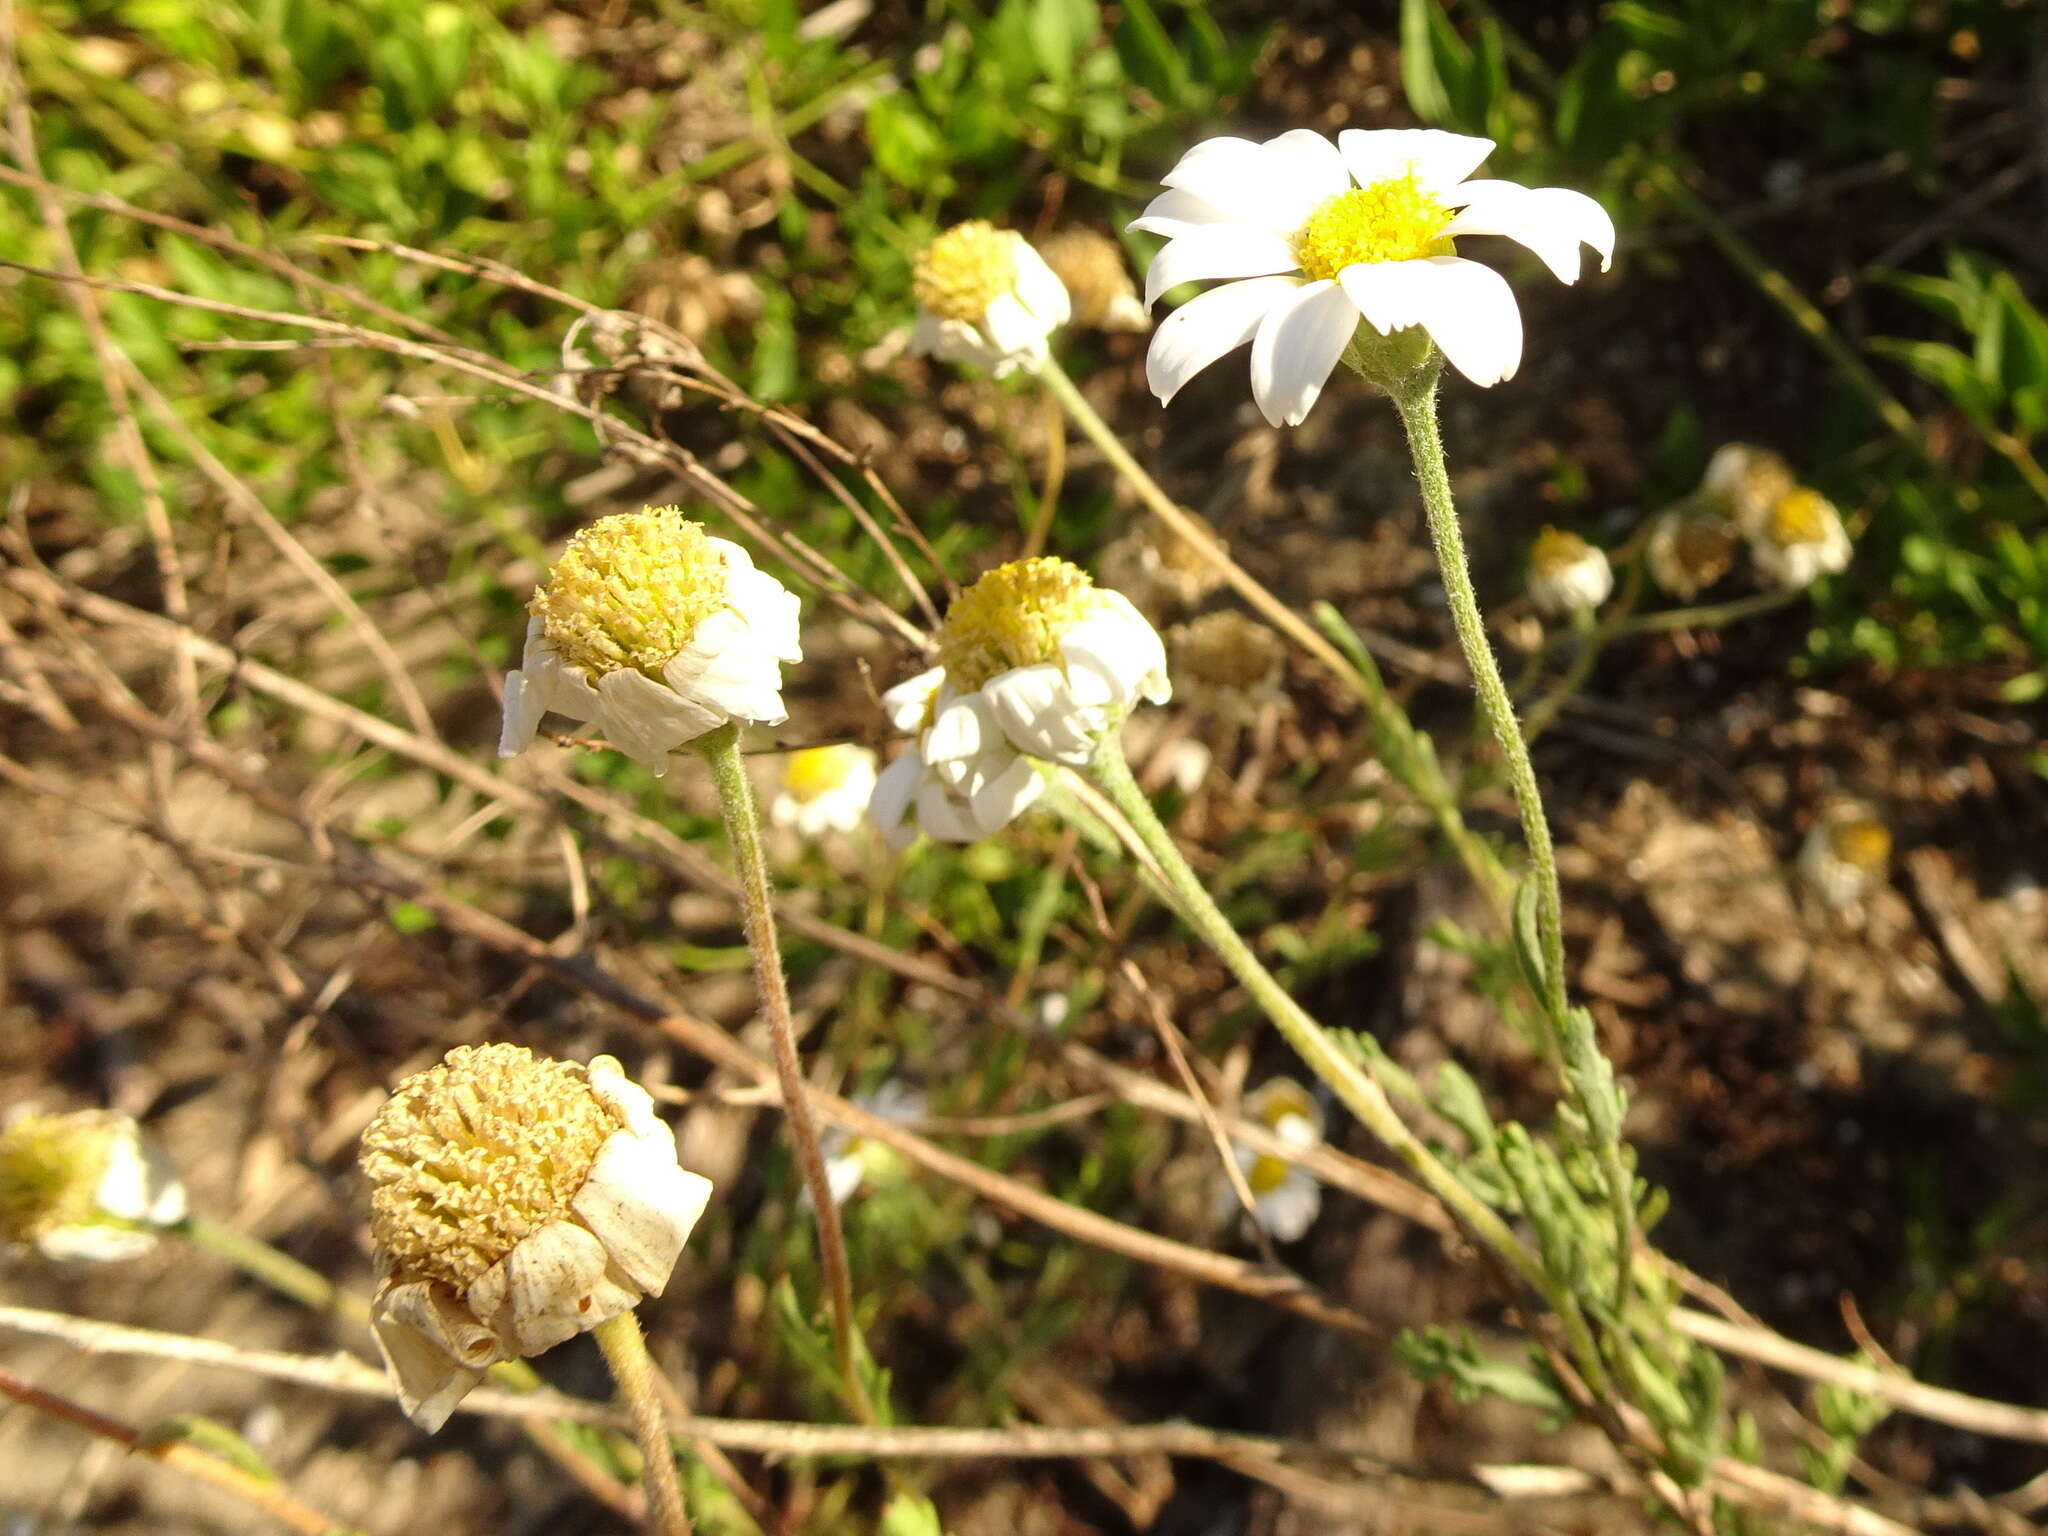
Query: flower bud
[(985, 297), (1801, 541), (87, 1185), (1566, 574)]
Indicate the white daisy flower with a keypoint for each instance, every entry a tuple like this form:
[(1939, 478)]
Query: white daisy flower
[(1801, 541), (1036, 663), (1566, 574), (825, 789), (850, 1160), (88, 1185), (1285, 1197), (1746, 482), (518, 1202), (1322, 235), (985, 297), (1844, 855), (655, 632), (1690, 548)]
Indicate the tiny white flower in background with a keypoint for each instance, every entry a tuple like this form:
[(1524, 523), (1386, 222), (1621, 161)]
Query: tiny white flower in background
[(1690, 548), (850, 1160), (518, 1202), (1322, 235), (1566, 574), (1801, 541), (655, 632), (1285, 1197), (1746, 482), (1844, 855), (1091, 267), (825, 789), (88, 1185), (1036, 662), (985, 297)]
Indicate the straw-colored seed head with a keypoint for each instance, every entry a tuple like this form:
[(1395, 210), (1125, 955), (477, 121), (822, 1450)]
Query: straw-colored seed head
[(964, 270), (629, 592), (50, 1170), (1227, 652), (1013, 616), (473, 1155), (1091, 267)]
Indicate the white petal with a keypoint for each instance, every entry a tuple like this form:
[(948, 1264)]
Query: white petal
[(1551, 221), (1120, 641), (553, 1285), (642, 1207), (646, 720), (1438, 160), (1174, 213), (1468, 308), (1036, 709), (1002, 799), (907, 703), (95, 1243), (1290, 1210), (1016, 335), (1206, 327), (943, 818), (433, 1348), (728, 672), (734, 555), (522, 716), (1298, 344), (1297, 171), (771, 610), (960, 732), (1230, 250), (842, 1176), (889, 805), (140, 1183), (1217, 170), (1039, 288)]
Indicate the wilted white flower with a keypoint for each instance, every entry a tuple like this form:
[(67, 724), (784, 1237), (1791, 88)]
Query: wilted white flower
[(1228, 666), (825, 789), (1324, 235), (1566, 574), (1158, 569), (518, 1202), (655, 632), (1690, 548), (1746, 482), (1035, 662), (850, 1160), (88, 1185), (985, 297), (1801, 541), (1092, 269), (1285, 1197), (1845, 855)]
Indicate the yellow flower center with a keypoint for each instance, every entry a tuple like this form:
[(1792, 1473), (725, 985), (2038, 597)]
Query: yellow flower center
[(1392, 220), (1266, 1175), (472, 1156), (1800, 517), (1014, 616), (815, 772), (1557, 551), (964, 270), (630, 591), (1863, 842), (50, 1171)]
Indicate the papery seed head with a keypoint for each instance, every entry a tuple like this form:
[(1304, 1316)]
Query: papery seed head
[(630, 590), (1092, 269), (1014, 616), (965, 270), (50, 1172), (1227, 652), (471, 1156), (1392, 220), (1704, 545), (1800, 516)]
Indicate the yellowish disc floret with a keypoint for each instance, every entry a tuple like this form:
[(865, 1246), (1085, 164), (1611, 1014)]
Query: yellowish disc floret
[(965, 270), (50, 1168), (1393, 220), (817, 771), (630, 591), (1556, 550), (1799, 517), (1014, 616), (1862, 842), (473, 1155)]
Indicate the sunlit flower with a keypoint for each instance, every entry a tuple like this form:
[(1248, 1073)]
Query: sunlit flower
[(825, 789), (1325, 235), (1745, 482), (851, 1161), (1801, 541), (1091, 267), (1227, 665), (1690, 548), (88, 1185), (1036, 662), (985, 297), (518, 1201), (1285, 1197), (1845, 855), (655, 632), (1566, 574)]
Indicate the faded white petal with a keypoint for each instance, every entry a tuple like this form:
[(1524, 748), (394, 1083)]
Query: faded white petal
[(1039, 289), (434, 1349), (554, 1284), (773, 614), (726, 671), (1438, 160), (890, 803), (1297, 345), (1037, 710), (95, 1243), (642, 1207), (1289, 1210), (907, 703), (647, 720), (1551, 221), (1004, 797), (961, 731), (1230, 250), (140, 1183), (1206, 327), (942, 817)]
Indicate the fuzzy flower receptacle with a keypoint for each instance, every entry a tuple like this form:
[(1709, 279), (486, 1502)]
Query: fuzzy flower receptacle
[(88, 1185), (1285, 1197), (1317, 239), (1036, 664), (824, 789), (655, 632), (517, 1201), (985, 297), (1566, 574)]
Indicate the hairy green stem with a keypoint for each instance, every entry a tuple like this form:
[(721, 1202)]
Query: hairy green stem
[(721, 750), (625, 1351)]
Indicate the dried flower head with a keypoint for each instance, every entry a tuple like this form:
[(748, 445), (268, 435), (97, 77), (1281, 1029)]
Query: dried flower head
[(1745, 482), (87, 1185), (1566, 574), (1690, 548), (1159, 569), (517, 1201), (1227, 665), (655, 631), (985, 297), (1091, 267)]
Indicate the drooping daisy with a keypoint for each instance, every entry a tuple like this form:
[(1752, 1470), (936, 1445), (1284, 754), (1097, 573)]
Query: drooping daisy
[(985, 297), (1690, 548), (1566, 574), (1091, 267), (825, 789), (1321, 236), (1801, 541), (655, 632), (89, 1185), (1285, 1196), (1036, 662), (1845, 855)]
